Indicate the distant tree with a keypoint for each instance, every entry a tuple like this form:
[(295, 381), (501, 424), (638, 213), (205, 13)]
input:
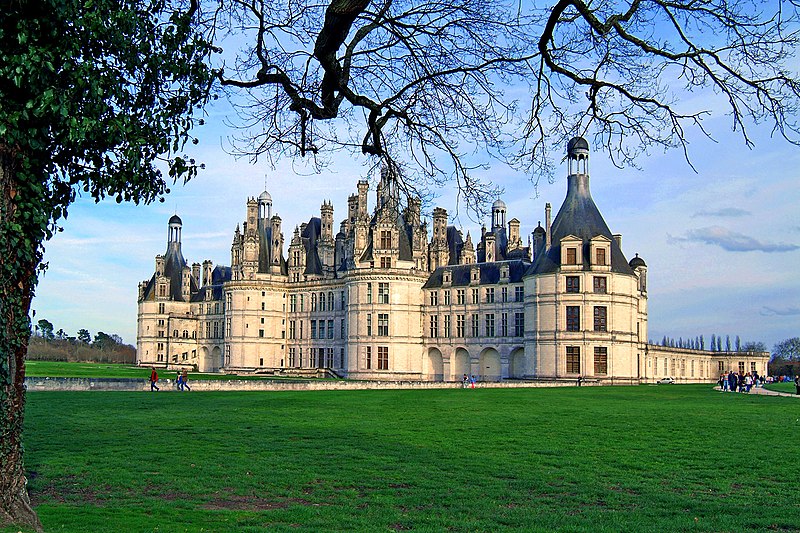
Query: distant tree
[(104, 340), (45, 328), (727, 343), (738, 344), (788, 350), (95, 96), (713, 342), (664, 341), (754, 347), (719, 344), (702, 343), (61, 334), (84, 336)]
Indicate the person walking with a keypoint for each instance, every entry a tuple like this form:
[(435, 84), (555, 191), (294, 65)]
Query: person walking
[(797, 384), (154, 380), (185, 380), (732, 381), (179, 381)]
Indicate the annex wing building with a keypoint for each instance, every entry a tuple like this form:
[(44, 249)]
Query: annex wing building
[(384, 298)]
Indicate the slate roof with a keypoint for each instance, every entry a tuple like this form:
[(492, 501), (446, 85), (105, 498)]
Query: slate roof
[(310, 236), (489, 273), (580, 217)]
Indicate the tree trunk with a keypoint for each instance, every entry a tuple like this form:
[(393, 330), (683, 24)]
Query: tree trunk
[(19, 257)]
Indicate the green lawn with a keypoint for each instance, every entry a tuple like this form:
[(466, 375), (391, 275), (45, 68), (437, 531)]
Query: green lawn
[(641, 458), (108, 370), (782, 387)]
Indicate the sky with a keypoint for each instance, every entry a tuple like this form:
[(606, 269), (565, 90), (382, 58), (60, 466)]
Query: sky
[(722, 244)]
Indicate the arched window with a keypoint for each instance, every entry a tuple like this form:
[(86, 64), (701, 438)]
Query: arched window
[(322, 301), (185, 334), (175, 333)]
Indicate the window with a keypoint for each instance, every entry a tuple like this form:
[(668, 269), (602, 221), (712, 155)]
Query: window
[(292, 357), (185, 334), (572, 256), (208, 329), (741, 367), (573, 359), (573, 318), (162, 291), (175, 333), (600, 360), (446, 297), (292, 303), (368, 357), (330, 301), (475, 298), (504, 325), (721, 366), (341, 297), (490, 325), (753, 367), (386, 239), (313, 327), (261, 333), (341, 329), (600, 318), (313, 302), (383, 293), (519, 324), (434, 298), (504, 293), (216, 308), (228, 327), (301, 329), (383, 358), (460, 296), (519, 294), (490, 295), (573, 284), (383, 324), (263, 306), (369, 293), (683, 367), (227, 355), (475, 326), (459, 325), (292, 329), (216, 330), (600, 255), (600, 284), (302, 302), (329, 358), (386, 262), (161, 308), (447, 325), (330, 328), (369, 324), (434, 329)]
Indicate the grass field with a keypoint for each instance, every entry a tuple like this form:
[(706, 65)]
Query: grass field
[(108, 370), (782, 387), (647, 458)]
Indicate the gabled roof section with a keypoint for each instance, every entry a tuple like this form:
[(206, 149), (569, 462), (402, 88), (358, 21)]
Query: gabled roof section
[(310, 236), (489, 273)]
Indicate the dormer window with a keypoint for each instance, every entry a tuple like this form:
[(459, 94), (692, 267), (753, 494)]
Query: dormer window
[(600, 255), (600, 252), (572, 256)]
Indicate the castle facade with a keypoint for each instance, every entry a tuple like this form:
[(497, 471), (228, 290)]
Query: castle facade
[(384, 299)]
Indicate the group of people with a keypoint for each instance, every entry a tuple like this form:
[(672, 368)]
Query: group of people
[(181, 382), (468, 382), (736, 382)]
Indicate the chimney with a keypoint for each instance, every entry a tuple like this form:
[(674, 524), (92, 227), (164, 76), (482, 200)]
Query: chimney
[(618, 239), (196, 273), (547, 236)]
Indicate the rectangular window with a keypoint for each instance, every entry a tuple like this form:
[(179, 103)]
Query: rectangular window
[(383, 324), (341, 329), (292, 357), (741, 367), (600, 360), (330, 328), (216, 330), (446, 297), (302, 302), (573, 359), (293, 303), (322, 301), (292, 329), (572, 256), (434, 298), (490, 325), (261, 333), (447, 325), (601, 256), (368, 357), (753, 367), (161, 308), (475, 326), (519, 324), (475, 298), (383, 293), (459, 325), (573, 318), (313, 302), (383, 358), (386, 262), (600, 318), (434, 329), (519, 294), (600, 284), (369, 324), (314, 328), (460, 300), (490, 295), (573, 284), (301, 329), (329, 358), (504, 294), (341, 297), (504, 325), (386, 239), (369, 293)]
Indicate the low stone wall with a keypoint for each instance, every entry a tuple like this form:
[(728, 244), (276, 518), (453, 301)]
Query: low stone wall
[(168, 385)]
